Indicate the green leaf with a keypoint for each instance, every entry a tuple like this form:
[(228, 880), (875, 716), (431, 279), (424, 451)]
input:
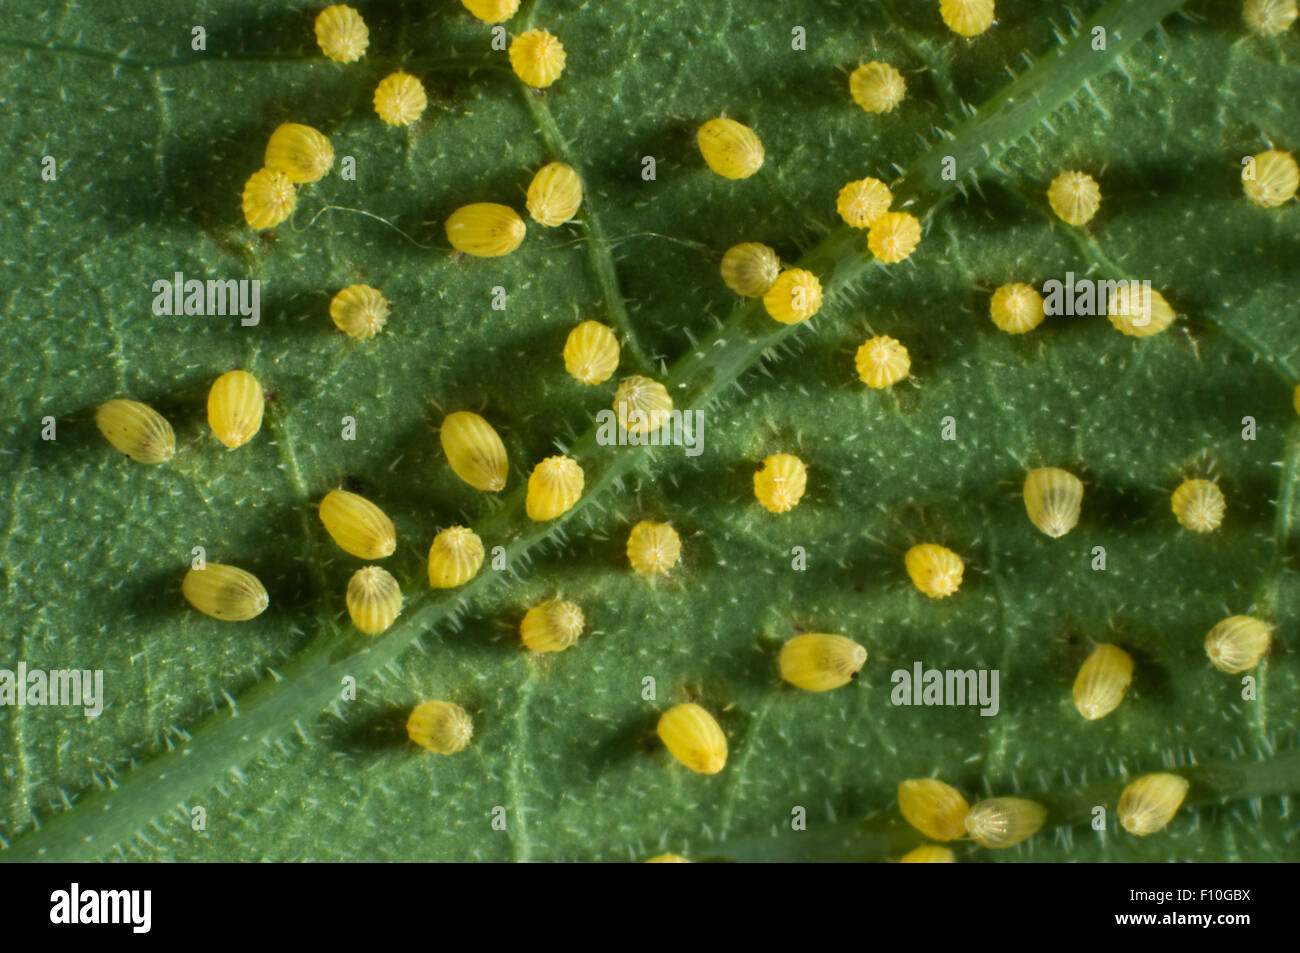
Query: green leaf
[(153, 141)]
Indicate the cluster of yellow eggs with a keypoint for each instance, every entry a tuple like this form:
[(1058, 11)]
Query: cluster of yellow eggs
[(940, 812), (298, 154), (235, 407)]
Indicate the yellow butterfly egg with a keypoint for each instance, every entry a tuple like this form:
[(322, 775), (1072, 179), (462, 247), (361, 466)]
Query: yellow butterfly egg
[(553, 487), (552, 626), (653, 548), (1017, 308), (1148, 804), (269, 198), (1052, 500), (642, 404), (1074, 197), (492, 11), (137, 430), (1102, 681), (400, 99), (1295, 398), (235, 405), (359, 311), (1199, 505), (935, 570), (357, 525), (730, 148), (374, 599), (795, 296), (554, 194), (929, 854), (225, 592), (454, 557), (1237, 643), (1130, 312), (780, 484), (894, 236), (863, 201), (485, 229), (1269, 17), (537, 57), (1004, 821), (882, 361), (474, 450), (818, 662), (935, 809), (342, 34), (877, 87), (967, 17), (668, 859), (300, 152), (1271, 179), (693, 737), (750, 268), (591, 353), (440, 727)]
